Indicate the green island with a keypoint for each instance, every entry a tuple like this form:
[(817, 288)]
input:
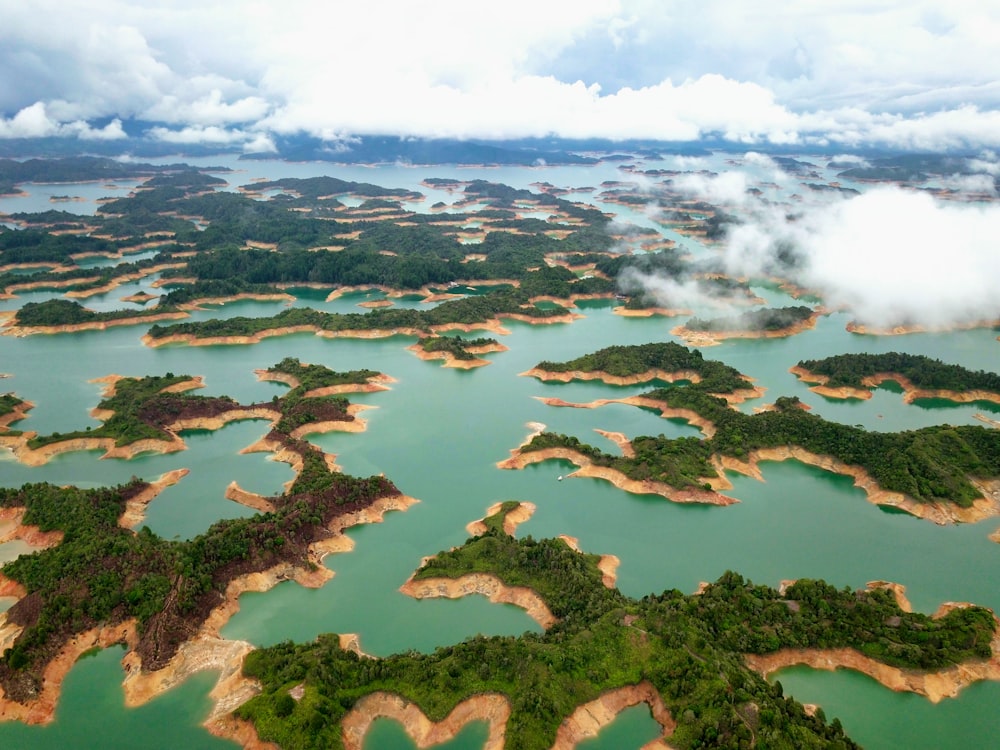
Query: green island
[(632, 361), (101, 574), (456, 346), (475, 310), (690, 648), (934, 464), (768, 319), (853, 371)]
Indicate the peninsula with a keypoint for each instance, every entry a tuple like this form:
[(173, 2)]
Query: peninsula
[(681, 654)]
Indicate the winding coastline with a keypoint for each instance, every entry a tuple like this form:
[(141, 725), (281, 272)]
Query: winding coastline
[(911, 392)]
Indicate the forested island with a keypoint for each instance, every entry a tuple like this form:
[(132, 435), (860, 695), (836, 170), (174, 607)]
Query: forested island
[(103, 575), (696, 659), (941, 465), (456, 351), (477, 311), (655, 361), (763, 323), (855, 375), (683, 654), (938, 465)]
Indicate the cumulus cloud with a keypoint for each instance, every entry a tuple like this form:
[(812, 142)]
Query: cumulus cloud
[(889, 256), (35, 122), (898, 73)]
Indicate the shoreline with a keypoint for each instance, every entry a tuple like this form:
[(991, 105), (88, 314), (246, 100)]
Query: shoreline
[(135, 507), (511, 521), (935, 686), (567, 376), (94, 325), (984, 507), (42, 455), (493, 708), (901, 330), (519, 460), (981, 509), (911, 392), (206, 650), (701, 339), (450, 360), (486, 585), (608, 564)]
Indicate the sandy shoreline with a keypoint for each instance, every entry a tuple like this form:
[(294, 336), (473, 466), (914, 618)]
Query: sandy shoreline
[(910, 392), (207, 650), (95, 325), (701, 339), (490, 707), (901, 330), (584, 723), (511, 521), (450, 360), (40, 456), (519, 460), (743, 394), (935, 686), (988, 506), (486, 585)]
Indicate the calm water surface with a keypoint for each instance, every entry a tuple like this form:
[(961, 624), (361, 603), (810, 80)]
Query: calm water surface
[(438, 434)]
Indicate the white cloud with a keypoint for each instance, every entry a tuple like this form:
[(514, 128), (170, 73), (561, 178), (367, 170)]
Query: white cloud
[(907, 74), (890, 256), (35, 122)]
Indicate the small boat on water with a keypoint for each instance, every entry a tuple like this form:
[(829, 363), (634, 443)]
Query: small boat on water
[(560, 478)]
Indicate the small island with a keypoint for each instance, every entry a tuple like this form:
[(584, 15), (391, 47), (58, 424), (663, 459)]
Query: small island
[(642, 363), (456, 351), (855, 375), (764, 323)]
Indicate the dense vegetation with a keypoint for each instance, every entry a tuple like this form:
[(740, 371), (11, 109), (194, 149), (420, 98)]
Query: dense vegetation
[(456, 346), (768, 319), (688, 647), (469, 310), (103, 574), (142, 409), (932, 464), (924, 372), (636, 359), (57, 312)]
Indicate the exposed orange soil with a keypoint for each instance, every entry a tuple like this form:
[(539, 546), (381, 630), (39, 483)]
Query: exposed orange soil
[(196, 304), (511, 521), (205, 651), (12, 527), (489, 707), (375, 383), (945, 683), (519, 460), (666, 312), (135, 508), (587, 720), (608, 564), (450, 360), (712, 338), (910, 392), (98, 325), (119, 280), (901, 330), (987, 506), (486, 585)]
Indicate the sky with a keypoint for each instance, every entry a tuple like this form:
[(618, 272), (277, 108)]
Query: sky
[(839, 73)]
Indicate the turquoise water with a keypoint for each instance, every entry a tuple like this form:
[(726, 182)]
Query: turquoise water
[(438, 434), (92, 713)]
